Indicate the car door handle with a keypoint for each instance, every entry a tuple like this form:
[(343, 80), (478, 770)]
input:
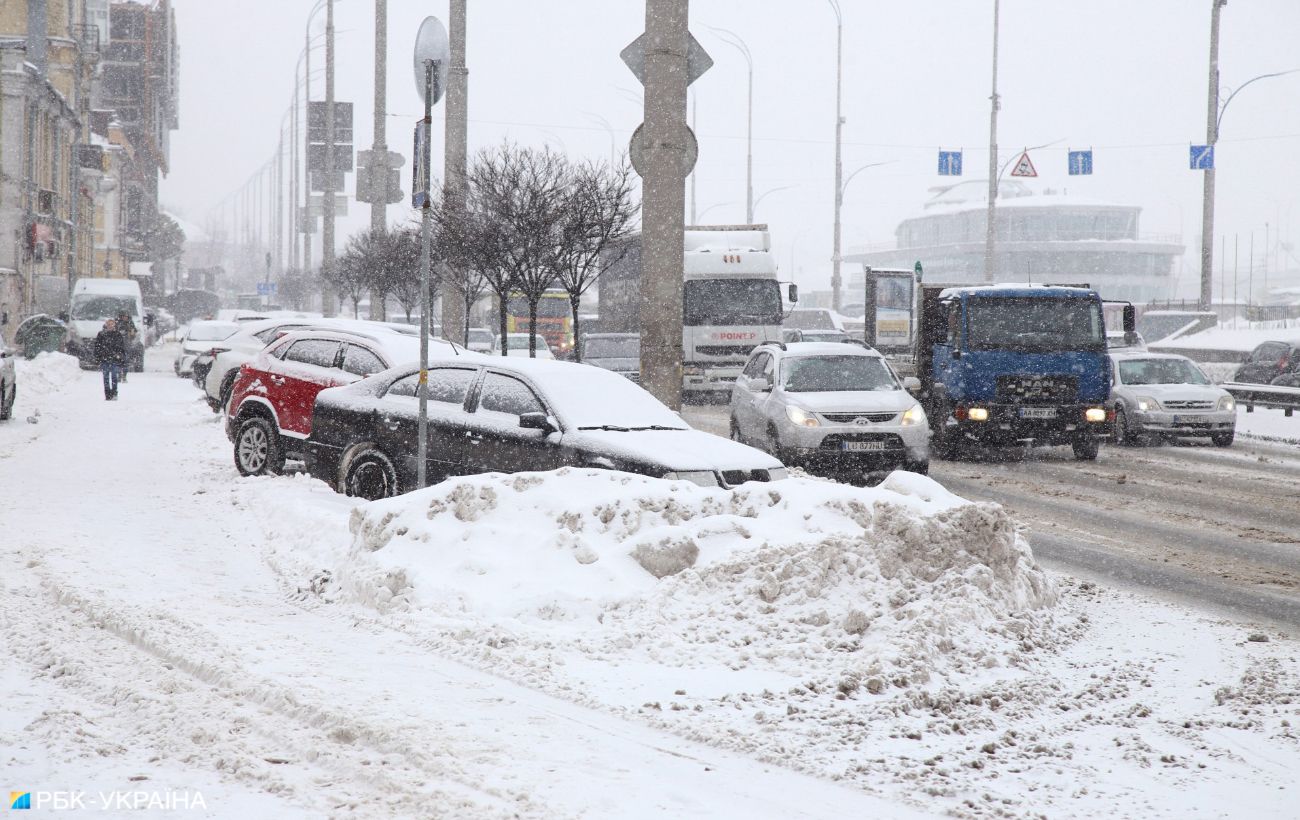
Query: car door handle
[(277, 379), (474, 437), (392, 423)]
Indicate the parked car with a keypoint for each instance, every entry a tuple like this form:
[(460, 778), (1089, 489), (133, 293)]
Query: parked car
[(517, 345), (617, 352), (1166, 394), (513, 415), (1271, 361), (8, 380), (832, 406), (269, 414), (481, 340), (199, 338)]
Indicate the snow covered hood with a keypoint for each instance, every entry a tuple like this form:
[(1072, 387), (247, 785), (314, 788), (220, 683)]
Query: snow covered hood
[(850, 401), (677, 450)]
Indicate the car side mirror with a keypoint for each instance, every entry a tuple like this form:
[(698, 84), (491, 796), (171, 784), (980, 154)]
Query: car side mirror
[(912, 385), (760, 384), (1130, 319), (537, 421)]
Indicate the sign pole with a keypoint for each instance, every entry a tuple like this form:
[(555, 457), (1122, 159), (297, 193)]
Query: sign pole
[(426, 229)]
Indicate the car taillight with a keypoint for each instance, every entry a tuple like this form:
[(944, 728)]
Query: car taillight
[(1282, 363), (214, 351)]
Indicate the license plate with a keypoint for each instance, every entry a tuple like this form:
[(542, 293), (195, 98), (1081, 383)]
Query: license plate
[(1038, 412), (1186, 419), (863, 446)]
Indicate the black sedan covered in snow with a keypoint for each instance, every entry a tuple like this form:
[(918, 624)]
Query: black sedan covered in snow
[(512, 415)]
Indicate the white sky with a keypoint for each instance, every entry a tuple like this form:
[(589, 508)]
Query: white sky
[(1127, 79)]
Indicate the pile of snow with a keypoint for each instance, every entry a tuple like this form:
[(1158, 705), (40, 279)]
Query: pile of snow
[(808, 580), (47, 373)]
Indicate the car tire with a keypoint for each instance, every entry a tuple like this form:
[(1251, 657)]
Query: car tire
[(1223, 439), (223, 396), (1086, 449), (368, 473), (735, 431), (918, 467), (773, 446), (257, 448), (1122, 435), (7, 398)]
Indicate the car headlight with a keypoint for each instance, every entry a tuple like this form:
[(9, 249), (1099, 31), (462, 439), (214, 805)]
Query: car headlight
[(1227, 403), (704, 478), (1094, 414), (913, 415), (978, 414), (1146, 405), (801, 417)]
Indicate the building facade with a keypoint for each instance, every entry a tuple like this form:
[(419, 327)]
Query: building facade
[(1040, 237)]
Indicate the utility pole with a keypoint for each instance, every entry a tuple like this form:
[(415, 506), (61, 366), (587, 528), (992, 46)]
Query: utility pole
[(306, 222), (1211, 137), (836, 281), (327, 197), (991, 228), (695, 99), (378, 208), (455, 160), (293, 179), (663, 198)]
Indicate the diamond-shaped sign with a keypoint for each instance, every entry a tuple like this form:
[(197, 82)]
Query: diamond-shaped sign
[(698, 60)]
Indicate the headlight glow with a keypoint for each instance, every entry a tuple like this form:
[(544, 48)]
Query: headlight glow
[(1146, 405), (801, 417), (978, 414), (913, 415), (1094, 414), (1227, 403)]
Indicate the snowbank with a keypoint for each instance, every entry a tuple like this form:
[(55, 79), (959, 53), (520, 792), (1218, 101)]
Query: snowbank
[(869, 587), (47, 373)]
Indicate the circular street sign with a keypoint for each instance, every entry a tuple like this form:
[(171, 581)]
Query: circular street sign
[(431, 43), (636, 150)]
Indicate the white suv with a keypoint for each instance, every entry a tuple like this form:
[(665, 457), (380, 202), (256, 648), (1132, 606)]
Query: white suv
[(833, 406)]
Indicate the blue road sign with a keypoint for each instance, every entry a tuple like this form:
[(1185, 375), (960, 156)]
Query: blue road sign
[(1202, 157), (420, 176), (266, 288), (1080, 163), (950, 163)]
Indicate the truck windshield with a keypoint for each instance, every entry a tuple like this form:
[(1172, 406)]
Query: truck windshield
[(88, 307), (732, 302), (1034, 324), (548, 307)]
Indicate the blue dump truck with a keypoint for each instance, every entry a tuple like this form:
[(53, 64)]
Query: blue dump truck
[(1014, 364)]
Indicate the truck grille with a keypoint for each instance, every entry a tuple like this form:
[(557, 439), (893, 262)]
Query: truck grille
[(1037, 389), (1188, 405), (850, 418), (724, 350)]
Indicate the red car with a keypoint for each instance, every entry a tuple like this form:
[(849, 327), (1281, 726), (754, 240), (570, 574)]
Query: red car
[(270, 411)]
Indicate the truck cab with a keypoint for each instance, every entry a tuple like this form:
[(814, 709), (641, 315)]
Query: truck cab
[(1014, 364)]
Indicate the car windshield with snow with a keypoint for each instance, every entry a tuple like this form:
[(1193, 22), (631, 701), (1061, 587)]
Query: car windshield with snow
[(513, 416)]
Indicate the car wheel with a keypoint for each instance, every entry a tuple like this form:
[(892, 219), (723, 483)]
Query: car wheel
[(1122, 435), (7, 401), (773, 446), (257, 448), (735, 431), (1086, 449), (370, 474), (223, 397), (1223, 439)]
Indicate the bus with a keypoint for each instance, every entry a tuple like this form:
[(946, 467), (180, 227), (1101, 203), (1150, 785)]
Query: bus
[(554, 319)]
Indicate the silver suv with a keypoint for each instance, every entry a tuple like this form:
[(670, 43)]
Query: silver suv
[(834, 406)]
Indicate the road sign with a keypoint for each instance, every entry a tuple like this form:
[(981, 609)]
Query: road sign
[(950, 163), (319, 180), (316, 205), (379, 186), (388, 159), (1024, 167), (420, 167), (306, 220), (266, 288), (316, 121), (431, 43), (342, 157), (1202, 157), (686, 140), (698, 60), (1080, 163)]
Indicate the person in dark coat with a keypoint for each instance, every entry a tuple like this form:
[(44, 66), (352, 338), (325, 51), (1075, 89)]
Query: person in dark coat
[(110, 352), (127, 328)]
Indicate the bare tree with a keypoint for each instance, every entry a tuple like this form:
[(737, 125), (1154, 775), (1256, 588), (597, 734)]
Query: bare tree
[(350, 274), (402, 269), (471, 242), (596, 217)]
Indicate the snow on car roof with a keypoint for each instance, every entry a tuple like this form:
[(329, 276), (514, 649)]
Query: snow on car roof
[(829, 349), (584, 396), (398, 348)]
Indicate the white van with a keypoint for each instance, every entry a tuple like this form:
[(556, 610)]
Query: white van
[(94, 301)]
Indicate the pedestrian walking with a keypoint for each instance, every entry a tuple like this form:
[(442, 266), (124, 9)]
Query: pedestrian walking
[(128, 330), (110, 352)]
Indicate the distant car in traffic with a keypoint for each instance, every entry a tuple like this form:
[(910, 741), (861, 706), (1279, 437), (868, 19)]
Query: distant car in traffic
[(225, 357), (269, 414), (517, 345), (199, 338), (481, 340), (513, 415), (1272, 363), (832, 406), (616, 352), (8, 380), (1163, 394)]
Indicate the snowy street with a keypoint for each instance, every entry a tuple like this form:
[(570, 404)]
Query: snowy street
[(225, 637)]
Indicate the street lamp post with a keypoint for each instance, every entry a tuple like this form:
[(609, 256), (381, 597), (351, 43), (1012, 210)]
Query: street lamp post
[(769, 191), (711, 207), (839, 165), (732, 39)]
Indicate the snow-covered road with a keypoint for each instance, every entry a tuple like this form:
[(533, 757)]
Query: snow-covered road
[(169, 626), (146, 637)]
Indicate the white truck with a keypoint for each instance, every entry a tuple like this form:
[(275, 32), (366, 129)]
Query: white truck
[(732, 301)]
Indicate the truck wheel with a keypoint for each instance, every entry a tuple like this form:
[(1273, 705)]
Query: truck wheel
[(947, 444), (1086, 449), (1219, 439), (257, 448)]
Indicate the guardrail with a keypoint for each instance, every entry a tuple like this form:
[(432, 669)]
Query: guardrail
[(1264, 395)]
